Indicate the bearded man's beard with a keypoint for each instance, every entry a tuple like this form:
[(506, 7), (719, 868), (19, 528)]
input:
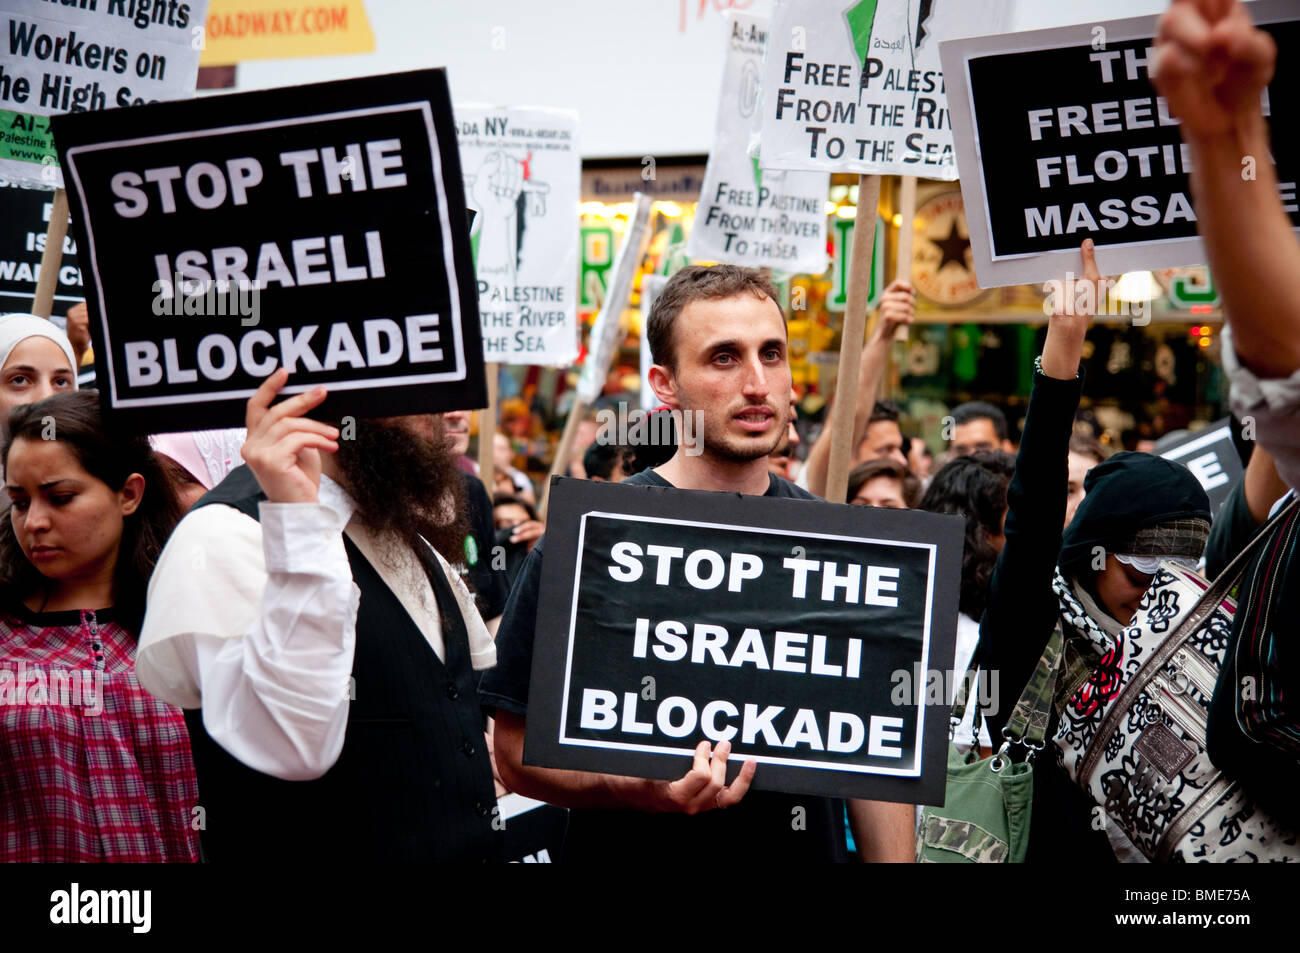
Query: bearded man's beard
[(402, 475)]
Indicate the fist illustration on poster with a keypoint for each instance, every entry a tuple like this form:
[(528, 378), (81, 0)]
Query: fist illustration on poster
[(495, 191)]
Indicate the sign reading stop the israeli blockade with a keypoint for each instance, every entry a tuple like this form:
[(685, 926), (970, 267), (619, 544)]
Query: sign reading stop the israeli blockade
[(75, 57), (857, 86), (749, 215), (809, 635), (523, 174), (320, 228), (1061, 137)]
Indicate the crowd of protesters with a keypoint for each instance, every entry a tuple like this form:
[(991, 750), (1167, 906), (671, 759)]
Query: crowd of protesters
[(185, 620)]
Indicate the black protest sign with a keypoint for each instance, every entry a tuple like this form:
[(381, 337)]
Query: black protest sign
[(794, 629), (25, 214), (321, 228), (1061, 137), (1212, 457)]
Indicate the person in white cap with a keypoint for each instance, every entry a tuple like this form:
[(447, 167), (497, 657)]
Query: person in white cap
[(36, 361)]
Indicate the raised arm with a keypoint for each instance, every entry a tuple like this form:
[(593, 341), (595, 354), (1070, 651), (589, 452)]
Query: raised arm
[(896, 310), (258, 626), (1021, 609), (1213, 64)]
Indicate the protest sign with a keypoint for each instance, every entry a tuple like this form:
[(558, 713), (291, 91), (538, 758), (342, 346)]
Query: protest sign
[(239, 30), (1061, 137), (750, 215), (1212, 457), (522, 176), (321, 228), (606, 334), (25, 213), (857, 86), (74, 57), (816, 638)]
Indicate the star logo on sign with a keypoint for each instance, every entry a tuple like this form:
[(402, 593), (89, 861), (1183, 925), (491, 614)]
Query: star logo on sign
[(953, 248)]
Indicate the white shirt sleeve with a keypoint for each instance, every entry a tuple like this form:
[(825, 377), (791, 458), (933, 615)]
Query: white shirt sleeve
[(257, 625), (1271, 407)]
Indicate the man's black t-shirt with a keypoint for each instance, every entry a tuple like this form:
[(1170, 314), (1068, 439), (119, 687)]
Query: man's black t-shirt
[(765, 826), (488, 586)]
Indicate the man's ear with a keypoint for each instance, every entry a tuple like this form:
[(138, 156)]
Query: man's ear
[(664, 385), (131, 494)]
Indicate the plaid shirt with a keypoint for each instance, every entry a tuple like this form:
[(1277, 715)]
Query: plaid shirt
[(92, 767)]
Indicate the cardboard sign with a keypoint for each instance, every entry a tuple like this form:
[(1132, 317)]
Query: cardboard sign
[(749, 215), (797, 630), (25, 214), (1061, 137), (74, 57), (522, 175), (857, 86), (319, 227), (1212, 457), (238, 30)]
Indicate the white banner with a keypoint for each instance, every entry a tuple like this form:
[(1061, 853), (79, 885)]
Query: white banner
[(858, 87), (57, 58), (522, 175), (748, 215)]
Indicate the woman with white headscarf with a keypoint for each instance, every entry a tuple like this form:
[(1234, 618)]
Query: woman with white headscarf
[(36, 361)]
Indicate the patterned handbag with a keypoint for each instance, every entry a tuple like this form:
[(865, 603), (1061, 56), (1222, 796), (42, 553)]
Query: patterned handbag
[(1133, 736), (987, 802)]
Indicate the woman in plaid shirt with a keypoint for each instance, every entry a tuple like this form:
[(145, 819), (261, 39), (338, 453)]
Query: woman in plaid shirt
[(92, 767)]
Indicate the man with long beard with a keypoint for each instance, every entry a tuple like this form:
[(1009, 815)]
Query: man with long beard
[(718, 339), (303, 617)]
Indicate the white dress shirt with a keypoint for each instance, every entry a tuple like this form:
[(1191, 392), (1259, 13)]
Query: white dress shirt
[(256, 624)]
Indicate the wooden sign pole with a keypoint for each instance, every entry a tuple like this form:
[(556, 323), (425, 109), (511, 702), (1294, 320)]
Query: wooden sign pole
[(52, 257), (851, 339), (577, 414), (487, 428), (903, 259)]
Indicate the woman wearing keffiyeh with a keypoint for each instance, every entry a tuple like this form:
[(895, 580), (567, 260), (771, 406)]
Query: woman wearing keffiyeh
[(1086, 580)]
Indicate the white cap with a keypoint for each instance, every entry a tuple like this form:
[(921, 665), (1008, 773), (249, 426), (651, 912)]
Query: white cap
[(16, 328)]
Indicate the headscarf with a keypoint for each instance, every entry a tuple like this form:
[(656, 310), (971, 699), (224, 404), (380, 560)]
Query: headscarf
[(16, 328), (208, 455), (1137, 504)]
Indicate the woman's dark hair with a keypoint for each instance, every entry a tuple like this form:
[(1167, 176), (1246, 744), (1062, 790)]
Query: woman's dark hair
[(974, 487), (73, 419), (864, 473)]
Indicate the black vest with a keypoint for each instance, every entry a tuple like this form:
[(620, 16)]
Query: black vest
[(413, 782)]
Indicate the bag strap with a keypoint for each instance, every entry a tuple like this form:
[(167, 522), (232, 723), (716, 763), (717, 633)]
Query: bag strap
[(1028, 722), (1225, 580)]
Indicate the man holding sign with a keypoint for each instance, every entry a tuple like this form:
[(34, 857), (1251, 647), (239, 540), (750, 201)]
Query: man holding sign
[(324, 651), (719, 344)]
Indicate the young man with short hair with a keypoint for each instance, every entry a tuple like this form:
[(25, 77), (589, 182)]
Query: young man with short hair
[(718, 339), (979, 426)]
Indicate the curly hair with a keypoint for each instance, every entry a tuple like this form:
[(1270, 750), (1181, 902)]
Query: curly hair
[(974, 487), (111, 460)]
